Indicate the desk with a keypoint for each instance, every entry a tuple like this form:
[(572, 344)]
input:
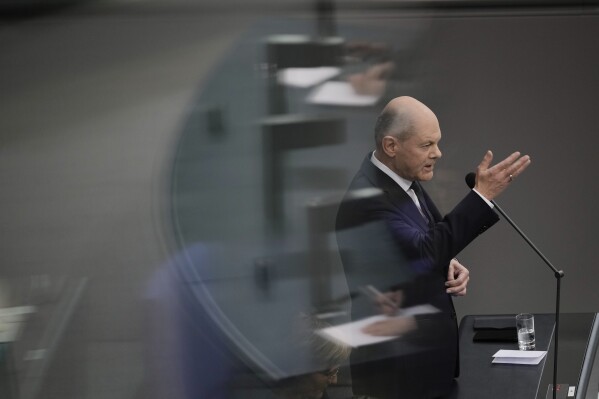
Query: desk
[(479, 378), (31, 347)]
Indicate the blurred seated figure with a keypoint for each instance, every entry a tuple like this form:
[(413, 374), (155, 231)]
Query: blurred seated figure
[(374, 80), (327, 355), (383, 70), (186, 354), (307, 386)]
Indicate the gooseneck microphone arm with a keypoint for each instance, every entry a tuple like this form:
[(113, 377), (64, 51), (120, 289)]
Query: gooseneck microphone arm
[(471, 181)]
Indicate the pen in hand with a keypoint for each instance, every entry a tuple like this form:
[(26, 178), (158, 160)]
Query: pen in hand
[(387, 304)]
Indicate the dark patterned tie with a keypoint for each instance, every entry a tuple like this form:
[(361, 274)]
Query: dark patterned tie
[(418, 191)]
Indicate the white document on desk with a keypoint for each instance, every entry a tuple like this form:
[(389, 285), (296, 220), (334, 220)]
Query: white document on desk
[(506, 356), (11, 320), (306, 77), (351, 333), (340, 93)]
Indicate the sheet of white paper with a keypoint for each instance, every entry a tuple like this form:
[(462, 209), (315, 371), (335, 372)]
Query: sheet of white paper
[(11, 320), (518, 357), (306, 77), (351, 333), (16, 313), (339, 93)]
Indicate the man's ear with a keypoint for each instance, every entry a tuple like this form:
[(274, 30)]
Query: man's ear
[(389, 145)]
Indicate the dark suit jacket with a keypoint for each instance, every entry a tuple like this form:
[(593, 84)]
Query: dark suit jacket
[(422, 254)]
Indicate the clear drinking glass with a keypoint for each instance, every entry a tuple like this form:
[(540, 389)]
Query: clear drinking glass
[(525, 325)]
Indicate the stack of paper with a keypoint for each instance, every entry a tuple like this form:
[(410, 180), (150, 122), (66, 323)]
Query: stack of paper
[(340, 93), (518, 357)]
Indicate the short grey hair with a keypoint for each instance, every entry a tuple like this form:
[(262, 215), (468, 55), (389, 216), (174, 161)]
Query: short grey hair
[(392, 122)]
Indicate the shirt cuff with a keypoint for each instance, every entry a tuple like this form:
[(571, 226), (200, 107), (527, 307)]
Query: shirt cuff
[(486, 200)]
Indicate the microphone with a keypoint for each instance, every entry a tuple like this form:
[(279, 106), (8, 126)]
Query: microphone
[(471, 179), (471, 182)]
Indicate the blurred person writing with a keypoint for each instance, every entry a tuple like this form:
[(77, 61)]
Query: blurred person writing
[(407, 136), (326, 354)]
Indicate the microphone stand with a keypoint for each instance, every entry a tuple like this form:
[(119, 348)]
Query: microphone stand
[(559, 274)]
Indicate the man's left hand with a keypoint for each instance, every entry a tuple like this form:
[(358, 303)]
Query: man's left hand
[(457, 278)]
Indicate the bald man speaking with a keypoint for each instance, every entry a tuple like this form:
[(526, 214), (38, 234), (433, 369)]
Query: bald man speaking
[(423, 361)]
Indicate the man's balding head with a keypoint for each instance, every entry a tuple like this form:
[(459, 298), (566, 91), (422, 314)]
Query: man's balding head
[(407, 136), (400, 118)]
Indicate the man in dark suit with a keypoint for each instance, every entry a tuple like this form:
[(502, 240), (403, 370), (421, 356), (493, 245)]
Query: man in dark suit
[(424, 360)]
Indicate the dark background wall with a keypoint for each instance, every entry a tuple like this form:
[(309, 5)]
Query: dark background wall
[(525, 83)]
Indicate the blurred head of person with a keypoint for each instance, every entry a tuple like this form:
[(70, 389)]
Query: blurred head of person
[(327, 357)]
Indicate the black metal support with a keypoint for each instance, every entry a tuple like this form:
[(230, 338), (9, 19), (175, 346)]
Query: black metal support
[(559, 274)]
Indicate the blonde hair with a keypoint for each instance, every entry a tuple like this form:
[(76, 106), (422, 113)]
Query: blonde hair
[(324, 351)]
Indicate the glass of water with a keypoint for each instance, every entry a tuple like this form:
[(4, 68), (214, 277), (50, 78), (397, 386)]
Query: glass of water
[(525, 324)]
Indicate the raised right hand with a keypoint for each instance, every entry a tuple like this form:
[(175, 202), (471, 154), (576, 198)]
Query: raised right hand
[(493, 180)]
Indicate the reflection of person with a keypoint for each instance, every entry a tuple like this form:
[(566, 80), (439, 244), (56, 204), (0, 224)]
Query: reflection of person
[(327, 355), (308, 386), (374, 80), (407, 136), (386, 71)]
